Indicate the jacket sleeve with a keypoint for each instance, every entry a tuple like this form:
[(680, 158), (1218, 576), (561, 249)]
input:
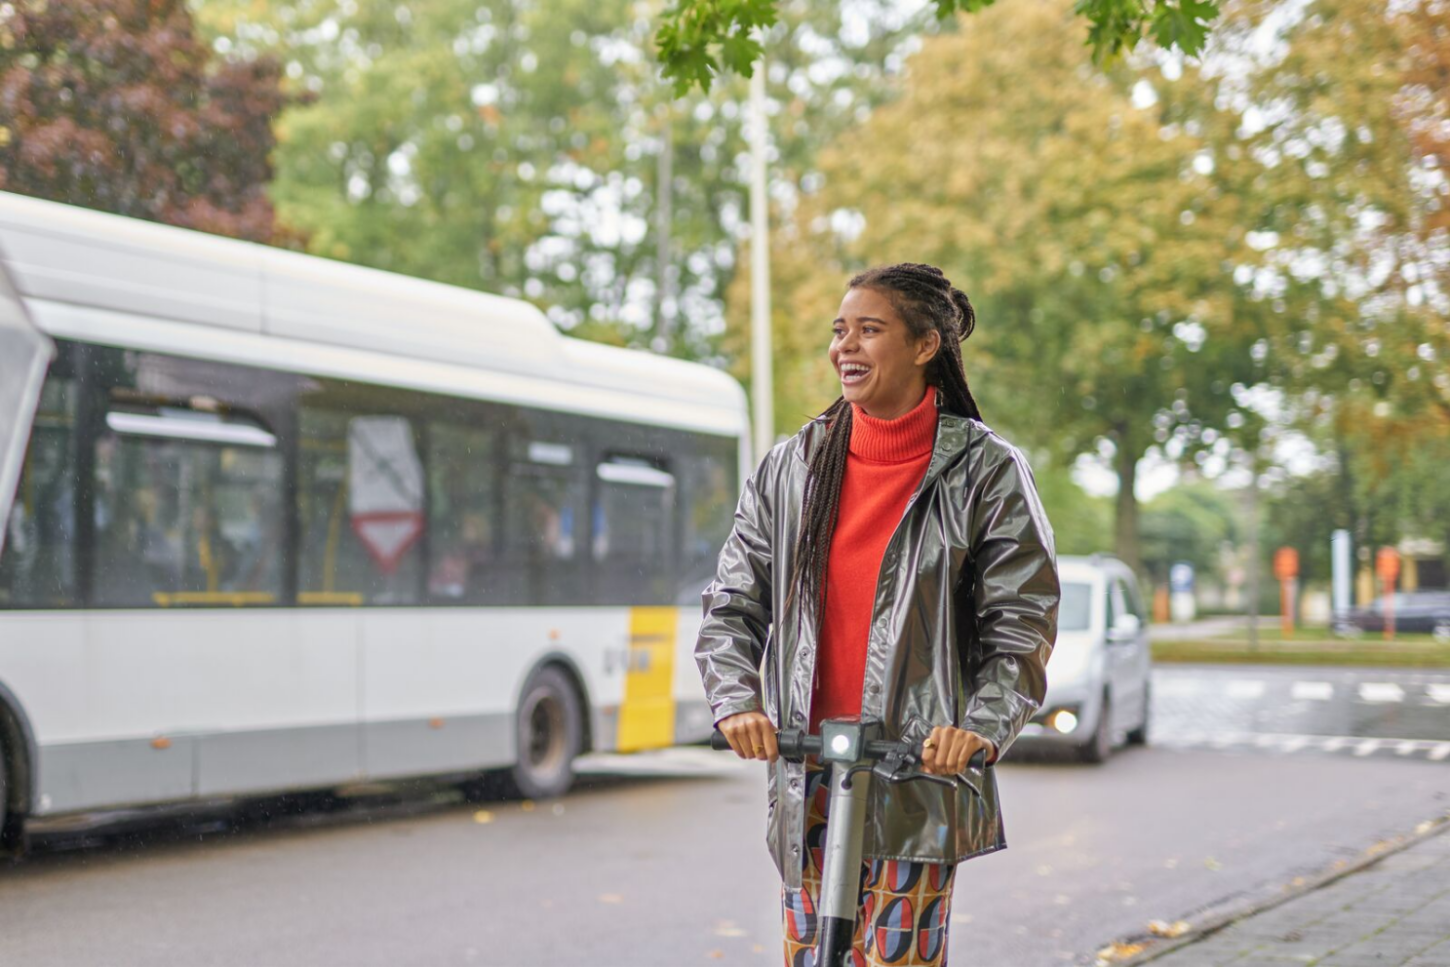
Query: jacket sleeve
[(737, 608), (1015, 594)]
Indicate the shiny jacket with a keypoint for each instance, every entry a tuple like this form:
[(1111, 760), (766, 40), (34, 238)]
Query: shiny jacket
[(964, 619)]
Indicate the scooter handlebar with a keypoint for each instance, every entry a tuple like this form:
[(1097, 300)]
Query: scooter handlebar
[(792, 744), (795, 745)]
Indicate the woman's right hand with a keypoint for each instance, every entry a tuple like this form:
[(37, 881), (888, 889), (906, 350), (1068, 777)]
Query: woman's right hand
[(751, 735)]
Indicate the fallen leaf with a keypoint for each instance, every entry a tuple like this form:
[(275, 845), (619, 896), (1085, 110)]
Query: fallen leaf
[(558, 809), (1177, 928), (610, 898), (717, 955), (483, 816), (1213, 864), (756, 948), (527, 805), (1117, 952), (727, 928)]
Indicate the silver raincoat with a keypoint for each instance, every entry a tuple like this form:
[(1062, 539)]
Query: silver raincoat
[(964, 619)]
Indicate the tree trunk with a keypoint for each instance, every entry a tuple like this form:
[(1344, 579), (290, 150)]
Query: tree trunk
[(1126, 517)]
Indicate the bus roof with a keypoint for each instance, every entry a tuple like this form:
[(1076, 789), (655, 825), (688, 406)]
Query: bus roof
[(65, 257)]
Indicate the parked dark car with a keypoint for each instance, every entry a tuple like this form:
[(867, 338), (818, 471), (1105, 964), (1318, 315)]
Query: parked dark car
[(1414, 611)]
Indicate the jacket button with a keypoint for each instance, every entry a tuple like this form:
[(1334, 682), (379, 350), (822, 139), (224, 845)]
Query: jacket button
[(795, 851)]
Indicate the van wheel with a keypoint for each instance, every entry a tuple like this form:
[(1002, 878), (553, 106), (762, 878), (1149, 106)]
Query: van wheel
[(1139, 736), (548, 735), (1100, 746), (4, 795)]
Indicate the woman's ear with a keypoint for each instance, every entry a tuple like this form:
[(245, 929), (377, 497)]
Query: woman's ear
[(926, 349)]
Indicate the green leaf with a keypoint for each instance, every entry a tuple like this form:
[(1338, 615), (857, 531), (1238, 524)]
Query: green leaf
[(1184, 25)]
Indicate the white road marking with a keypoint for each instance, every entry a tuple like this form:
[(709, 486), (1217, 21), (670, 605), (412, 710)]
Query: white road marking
[(1313, 691), (1438, 693), (1176, 686), (1245, 689), (1381, 692), (1289, 742)]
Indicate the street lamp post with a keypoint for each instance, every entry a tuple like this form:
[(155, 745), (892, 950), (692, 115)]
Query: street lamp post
[(762, 388)]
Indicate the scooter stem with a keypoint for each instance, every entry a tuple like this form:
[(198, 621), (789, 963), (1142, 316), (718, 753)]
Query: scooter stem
[(840, 893)]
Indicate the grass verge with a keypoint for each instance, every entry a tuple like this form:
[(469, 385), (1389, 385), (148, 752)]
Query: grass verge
[(1308, 647)]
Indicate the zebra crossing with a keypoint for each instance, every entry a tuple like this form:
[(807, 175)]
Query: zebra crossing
[(1358, 713)]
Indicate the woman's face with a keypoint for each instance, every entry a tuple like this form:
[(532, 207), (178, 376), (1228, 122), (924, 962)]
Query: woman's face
[(881, 368)]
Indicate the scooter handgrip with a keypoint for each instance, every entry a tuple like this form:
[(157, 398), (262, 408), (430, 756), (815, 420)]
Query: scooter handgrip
[(718, 742)]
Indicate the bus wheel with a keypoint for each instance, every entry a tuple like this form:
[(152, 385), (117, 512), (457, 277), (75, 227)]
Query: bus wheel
[(549, 735)]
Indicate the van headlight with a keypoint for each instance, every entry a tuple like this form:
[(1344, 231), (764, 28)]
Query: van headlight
[(1063, 721)]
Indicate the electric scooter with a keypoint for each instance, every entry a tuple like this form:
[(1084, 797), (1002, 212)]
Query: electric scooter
[(854, 753)]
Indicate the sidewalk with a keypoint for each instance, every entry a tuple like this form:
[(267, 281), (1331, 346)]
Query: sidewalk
[(1394, 913)]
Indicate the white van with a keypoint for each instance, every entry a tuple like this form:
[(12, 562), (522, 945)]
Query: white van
[(1098, 676)]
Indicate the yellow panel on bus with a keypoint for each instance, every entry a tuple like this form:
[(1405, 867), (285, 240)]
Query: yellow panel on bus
[(647, 717)]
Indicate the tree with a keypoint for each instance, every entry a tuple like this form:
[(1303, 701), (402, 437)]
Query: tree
[(531, 149), (698, 39), (116, 105), (1344, 121), (1190, 522), (1094, 240)]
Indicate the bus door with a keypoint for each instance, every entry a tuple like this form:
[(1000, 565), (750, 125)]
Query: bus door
[(24, 356), (634, 556)]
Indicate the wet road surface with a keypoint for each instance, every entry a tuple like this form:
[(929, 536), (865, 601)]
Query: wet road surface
[(659, 858)]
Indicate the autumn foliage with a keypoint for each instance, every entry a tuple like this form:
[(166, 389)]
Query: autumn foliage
[(118, 105)]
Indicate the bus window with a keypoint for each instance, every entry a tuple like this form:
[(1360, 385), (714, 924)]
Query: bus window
[(360, 498), (187, 511), (462, 512), (544, 525), (37, 569), (633, 531), (708, 483)]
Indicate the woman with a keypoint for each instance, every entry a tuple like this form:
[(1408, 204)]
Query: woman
[(890, 561)]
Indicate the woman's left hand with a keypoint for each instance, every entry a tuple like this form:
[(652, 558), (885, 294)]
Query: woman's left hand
[(947, 750)]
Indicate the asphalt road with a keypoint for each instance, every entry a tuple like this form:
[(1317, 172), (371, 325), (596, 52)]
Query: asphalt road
[(667, 866)]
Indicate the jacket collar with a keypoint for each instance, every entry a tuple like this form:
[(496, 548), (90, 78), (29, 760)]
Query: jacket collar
[(953, 434)]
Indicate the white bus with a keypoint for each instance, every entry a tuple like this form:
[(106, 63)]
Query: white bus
[(286, 523)]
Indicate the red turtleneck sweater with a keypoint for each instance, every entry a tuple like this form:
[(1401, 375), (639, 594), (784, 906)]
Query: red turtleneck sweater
[(886, 461)]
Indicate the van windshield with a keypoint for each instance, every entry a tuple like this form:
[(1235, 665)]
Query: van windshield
[(1076, 607)]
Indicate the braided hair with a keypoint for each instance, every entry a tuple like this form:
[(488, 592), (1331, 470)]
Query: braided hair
[(926, 301)]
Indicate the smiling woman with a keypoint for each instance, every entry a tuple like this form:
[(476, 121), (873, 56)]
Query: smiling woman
[(890, 563)]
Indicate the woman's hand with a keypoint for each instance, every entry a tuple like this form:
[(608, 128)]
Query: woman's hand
[(751, 735), (947, 750)]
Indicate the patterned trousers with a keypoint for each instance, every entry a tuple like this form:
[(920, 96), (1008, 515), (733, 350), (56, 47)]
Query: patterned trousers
[(904, 906)]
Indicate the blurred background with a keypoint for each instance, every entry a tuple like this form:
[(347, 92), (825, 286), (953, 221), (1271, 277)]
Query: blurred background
[(1212, 299)]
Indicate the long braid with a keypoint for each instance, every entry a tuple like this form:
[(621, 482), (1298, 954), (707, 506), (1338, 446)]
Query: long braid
[(925, 300)]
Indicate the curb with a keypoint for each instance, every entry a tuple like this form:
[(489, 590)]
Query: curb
[(1159, 947)]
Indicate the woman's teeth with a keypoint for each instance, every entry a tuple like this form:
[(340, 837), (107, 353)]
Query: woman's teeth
[(852, 373)]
